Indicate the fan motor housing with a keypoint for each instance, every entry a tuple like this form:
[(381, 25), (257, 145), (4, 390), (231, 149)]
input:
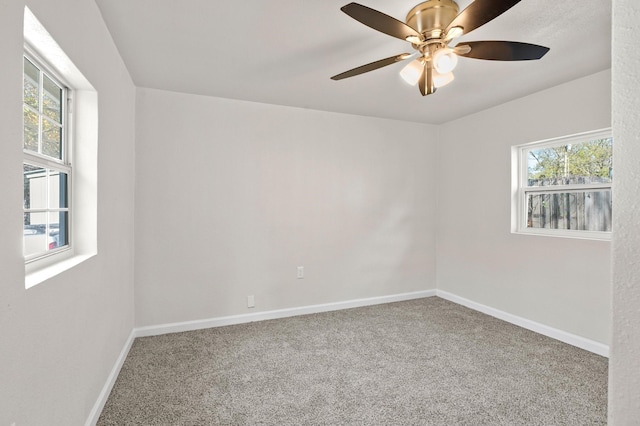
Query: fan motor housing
[(432, 17)]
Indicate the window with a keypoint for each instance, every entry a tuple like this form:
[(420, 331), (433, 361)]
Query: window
[(564, 186), (47, 168), (60, 160)]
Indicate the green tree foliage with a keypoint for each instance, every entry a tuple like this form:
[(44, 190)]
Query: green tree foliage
[(588, 162), (42, 111)]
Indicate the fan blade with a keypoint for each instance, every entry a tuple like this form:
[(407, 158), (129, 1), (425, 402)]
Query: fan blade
[(426, 80), (379, 21), (503, 50), (479, 13), (372, 66)]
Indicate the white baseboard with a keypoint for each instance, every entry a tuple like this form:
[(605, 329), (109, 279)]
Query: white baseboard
[(563, 336), (94, 415), (155, 330)]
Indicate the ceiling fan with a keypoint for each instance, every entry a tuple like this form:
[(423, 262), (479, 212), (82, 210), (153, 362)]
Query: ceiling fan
[(430, 27)]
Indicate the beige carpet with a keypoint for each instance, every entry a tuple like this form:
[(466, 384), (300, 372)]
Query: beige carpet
[(421, 362)]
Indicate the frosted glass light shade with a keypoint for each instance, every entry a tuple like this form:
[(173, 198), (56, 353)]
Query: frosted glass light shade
[(412, 71), (440, 80), (445, 60)]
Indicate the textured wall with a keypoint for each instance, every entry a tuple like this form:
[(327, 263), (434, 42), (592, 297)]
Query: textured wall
[(233, 196), (60, 339), (559, 282), (624, 372)]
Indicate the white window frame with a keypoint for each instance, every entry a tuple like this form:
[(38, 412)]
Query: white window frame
[(82, 127), (64, 164), (520, 190)]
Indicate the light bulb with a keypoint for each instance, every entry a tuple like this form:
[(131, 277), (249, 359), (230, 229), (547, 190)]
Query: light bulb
[(462, 49), (444, 60), (440, 80), (412, 71), (454, 32)]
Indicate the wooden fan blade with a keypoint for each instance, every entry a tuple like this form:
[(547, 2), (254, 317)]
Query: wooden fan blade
[(503, 50), (372, 66), (426, 80), (479, 13), (379, 21)]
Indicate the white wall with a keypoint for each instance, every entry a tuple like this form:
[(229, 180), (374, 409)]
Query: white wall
[(562, 283), (60, 339), (233, 196), (624, 365)]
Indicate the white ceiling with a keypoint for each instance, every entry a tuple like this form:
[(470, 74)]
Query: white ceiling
[(285, 51)]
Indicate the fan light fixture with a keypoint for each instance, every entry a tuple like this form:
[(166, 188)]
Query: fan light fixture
[(412, 72), (430, 27)]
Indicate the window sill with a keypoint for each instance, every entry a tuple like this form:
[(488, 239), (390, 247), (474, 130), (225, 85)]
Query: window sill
[(38, 272), (581, 235)]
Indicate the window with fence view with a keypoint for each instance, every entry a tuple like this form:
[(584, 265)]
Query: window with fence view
[(566, 184)]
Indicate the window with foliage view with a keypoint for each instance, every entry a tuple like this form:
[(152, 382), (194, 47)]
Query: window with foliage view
[(565, 186), (46, 162)]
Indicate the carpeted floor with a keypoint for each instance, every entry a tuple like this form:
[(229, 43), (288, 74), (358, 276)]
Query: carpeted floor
[(421, 362)]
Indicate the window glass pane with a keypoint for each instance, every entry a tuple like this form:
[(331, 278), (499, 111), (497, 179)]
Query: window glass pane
[(583, 211), (58, 230), (57, 189), (30, 130), (51, 100), (31, 83), (582, 163), (35, 187), (51, 139), (46, 230), (35, 233)]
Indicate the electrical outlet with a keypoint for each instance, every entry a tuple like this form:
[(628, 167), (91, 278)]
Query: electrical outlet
[(300, 272), (251, 302)]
